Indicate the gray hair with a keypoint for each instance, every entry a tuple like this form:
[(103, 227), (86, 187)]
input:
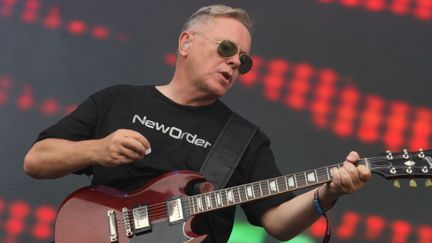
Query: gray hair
[(205, 14)]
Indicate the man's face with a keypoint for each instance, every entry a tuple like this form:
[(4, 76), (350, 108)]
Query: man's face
[(210, 72)]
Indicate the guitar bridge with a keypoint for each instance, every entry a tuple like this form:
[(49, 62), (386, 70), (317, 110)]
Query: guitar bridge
[(112, 226)]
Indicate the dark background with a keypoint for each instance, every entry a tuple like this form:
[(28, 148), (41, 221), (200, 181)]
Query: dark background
[(46, 69)]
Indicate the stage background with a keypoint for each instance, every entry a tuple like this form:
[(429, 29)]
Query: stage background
[(330, 76)]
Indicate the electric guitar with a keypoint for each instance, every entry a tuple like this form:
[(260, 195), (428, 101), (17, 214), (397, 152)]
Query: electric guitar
[(162, 210)]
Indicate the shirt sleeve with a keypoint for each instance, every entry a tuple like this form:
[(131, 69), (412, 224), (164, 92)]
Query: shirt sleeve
[(81, 123), (263, 167)]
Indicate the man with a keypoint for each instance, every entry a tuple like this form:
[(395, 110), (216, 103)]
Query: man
[(124, 136)]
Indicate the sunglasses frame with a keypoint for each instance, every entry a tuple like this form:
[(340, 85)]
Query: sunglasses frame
[(246, 61)]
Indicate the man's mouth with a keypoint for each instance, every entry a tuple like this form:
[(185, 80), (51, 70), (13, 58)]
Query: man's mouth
[(227, 76)]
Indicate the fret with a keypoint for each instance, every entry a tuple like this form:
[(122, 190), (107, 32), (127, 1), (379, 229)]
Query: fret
[(225, 196), (306, 178), (286, 184), (193, 204), (255, 188), (316, 176), (238, 194), (265, 188), (281, 184), (328, 173), (296, 180), (259, 183), (241, 193)]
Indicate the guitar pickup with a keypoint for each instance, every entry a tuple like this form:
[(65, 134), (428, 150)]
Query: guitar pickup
[(175, 211), (141, 219)]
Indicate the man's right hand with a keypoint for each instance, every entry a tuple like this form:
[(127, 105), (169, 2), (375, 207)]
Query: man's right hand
[(121, 147)]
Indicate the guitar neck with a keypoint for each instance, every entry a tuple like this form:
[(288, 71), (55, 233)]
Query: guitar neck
[(260, 189)]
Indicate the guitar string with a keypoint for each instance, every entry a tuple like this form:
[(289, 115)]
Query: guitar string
[(162, 205), (159, 209)]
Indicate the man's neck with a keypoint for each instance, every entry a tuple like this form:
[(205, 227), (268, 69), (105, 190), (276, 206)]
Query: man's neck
[(185, 95)]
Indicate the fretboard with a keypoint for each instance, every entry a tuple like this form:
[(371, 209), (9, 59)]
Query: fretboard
[(260, 189)]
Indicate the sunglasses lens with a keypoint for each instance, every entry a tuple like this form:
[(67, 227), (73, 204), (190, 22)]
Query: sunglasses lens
[(227, 48), (245, 64)]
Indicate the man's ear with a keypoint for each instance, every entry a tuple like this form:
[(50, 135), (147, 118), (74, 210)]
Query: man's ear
[(185, 42)]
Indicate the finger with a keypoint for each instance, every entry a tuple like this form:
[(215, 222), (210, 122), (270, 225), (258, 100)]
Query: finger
[(353, 173), (364, 173), (140, 138), (129, 153), (135, 145), (352, 157), (347, 184)]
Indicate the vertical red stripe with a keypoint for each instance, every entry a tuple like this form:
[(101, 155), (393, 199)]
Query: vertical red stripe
[(401, 231), (421, 129), (349, 224), (371, 119), (299, 86), (346, 112), (275, 79), (324, 92), (396, 122), (374, 227)]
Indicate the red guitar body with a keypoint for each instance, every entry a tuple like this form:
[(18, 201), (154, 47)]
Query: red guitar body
[(82, 217)]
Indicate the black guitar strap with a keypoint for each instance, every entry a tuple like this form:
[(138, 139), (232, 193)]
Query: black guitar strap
[(227, 151)]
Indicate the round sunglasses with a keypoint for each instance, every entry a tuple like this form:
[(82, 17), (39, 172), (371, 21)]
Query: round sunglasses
[(227, 48)]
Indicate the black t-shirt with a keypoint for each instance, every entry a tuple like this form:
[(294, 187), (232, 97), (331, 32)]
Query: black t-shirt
[(180, 138)]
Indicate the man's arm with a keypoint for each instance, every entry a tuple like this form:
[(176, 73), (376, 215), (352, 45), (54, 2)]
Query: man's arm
[(292, 217), (53, 158)]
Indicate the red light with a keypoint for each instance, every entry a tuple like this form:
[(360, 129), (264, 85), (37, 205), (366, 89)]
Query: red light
[(5, 85), (318, 228), (421, 129), (30, 11), (50, 106), (346, 113), (396, 125), (350, 3), (25, 100), (45, 216), (371, 119), (401, 231), (6, 9), (374, 227), (18, 211), (424, 234), (299, 86), (375, 5), (350, 221), (71, 108), (77, 27), (170, 59), (100, 32), (400, 6), (274, 81), (52, 20)]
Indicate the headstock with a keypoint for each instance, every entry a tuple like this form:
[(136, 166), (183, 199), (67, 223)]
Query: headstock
[(405, 164)]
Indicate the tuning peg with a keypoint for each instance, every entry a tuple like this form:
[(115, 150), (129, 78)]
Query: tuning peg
[(428, 183), (412, 183), (396, 184)]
